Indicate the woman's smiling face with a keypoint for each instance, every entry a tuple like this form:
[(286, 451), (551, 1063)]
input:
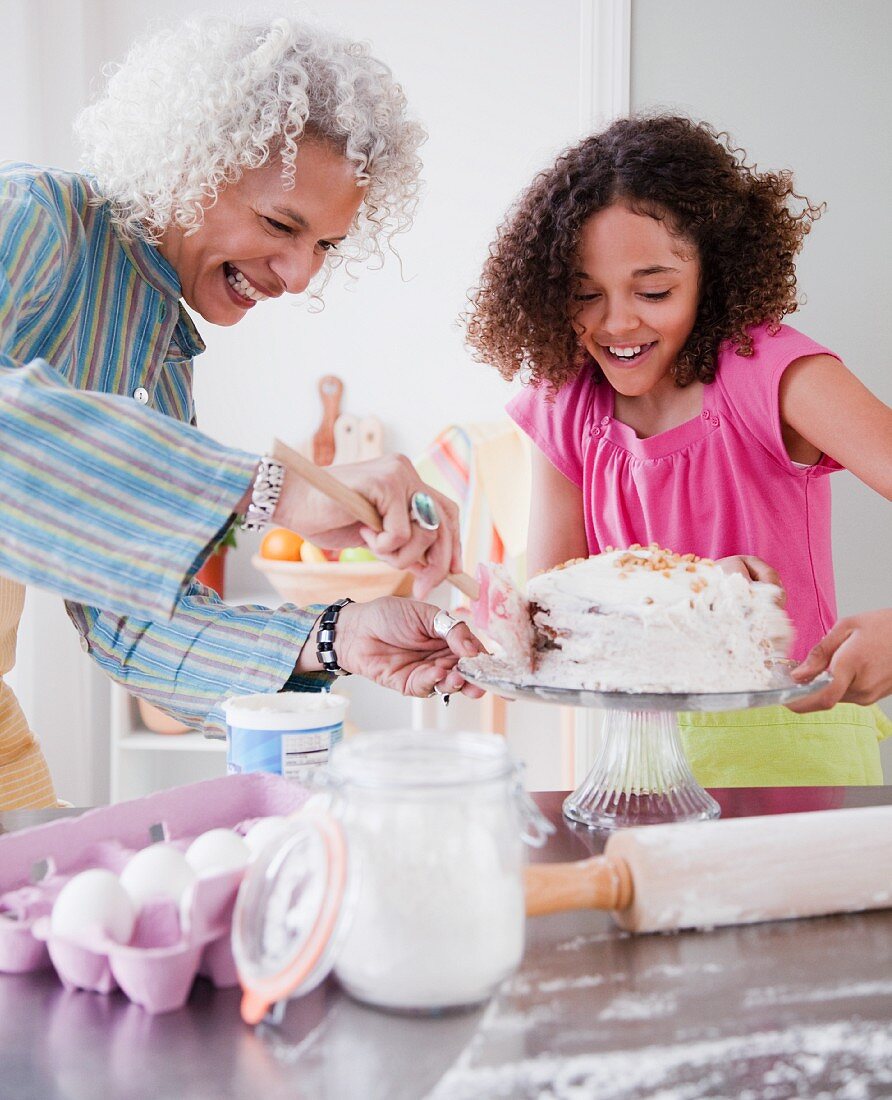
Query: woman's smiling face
[(635, 296), (261, 239)]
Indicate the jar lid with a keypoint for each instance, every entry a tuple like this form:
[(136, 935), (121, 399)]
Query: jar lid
[(401, 759), (284, 710), (289, 914)]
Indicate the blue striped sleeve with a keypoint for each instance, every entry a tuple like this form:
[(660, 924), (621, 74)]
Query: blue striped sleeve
[(102, 500), (206, 652)]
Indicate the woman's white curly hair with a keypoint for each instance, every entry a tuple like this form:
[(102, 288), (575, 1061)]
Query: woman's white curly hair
[(194, 106)]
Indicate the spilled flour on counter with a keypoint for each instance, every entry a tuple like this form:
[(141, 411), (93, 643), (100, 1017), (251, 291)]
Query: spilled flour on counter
[(785, 995), (579, 942), (846, 1061), (637, 1006)]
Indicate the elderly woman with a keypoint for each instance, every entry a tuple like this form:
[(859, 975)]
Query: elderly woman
[(229, 164)]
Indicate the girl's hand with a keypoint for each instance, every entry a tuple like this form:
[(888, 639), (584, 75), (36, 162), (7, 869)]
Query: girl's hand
[(858, 653), (392, 641), (388, 484), (754, 569)]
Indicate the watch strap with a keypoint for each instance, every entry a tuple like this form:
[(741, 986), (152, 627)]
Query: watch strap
[(265, 494)]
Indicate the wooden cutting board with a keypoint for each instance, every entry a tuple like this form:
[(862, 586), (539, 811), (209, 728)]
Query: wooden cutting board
[(331, 390)]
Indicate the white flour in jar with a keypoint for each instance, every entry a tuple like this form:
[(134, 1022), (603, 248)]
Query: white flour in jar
[(439, 915)]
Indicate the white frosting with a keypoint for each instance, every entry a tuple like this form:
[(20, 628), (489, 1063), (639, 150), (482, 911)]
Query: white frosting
[(648, 620)]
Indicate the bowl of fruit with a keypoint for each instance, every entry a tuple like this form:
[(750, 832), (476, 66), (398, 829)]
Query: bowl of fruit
[(303, 573)]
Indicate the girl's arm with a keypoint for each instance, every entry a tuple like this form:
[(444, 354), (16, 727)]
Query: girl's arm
[(825, 408), (557, 524)]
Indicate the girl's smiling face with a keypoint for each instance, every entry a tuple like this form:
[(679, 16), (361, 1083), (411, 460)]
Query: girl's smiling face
[(635, 296), (260, 239)]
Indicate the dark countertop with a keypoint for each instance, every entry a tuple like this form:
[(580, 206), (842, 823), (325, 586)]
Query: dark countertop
[(793, 1008)]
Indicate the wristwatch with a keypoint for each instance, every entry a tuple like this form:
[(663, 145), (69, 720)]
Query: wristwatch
[(325, 638), (264, 495)]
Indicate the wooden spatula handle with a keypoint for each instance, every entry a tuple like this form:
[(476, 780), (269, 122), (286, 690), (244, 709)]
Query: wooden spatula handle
[(326, 483), (596, 883), (353, 502)]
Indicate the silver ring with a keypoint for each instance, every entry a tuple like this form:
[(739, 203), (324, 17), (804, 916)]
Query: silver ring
[(424, 512), (444, 695), (443, 623)]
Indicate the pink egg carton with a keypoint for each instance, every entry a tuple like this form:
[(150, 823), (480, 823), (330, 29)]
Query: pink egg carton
[(157, 967)]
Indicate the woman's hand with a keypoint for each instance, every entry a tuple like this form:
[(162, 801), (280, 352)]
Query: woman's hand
[(388, 484), (392, 641), (858, 653)]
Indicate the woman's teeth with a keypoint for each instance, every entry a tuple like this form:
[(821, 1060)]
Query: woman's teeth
[(241, 286), (630, 352)]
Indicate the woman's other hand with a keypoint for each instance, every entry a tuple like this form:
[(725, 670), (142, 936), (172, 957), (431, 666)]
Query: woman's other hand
[(392, 641), (858, 654), (389, 484)]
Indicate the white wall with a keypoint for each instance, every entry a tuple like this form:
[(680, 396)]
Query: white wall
[(498, 85), (807, 85)]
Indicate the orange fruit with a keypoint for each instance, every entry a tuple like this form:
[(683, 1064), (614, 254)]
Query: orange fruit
[(280, 544)]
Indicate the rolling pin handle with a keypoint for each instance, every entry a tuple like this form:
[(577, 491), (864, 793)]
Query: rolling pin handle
[(597, 883)]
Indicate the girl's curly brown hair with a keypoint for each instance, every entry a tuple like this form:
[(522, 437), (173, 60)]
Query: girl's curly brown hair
[(747, 226)]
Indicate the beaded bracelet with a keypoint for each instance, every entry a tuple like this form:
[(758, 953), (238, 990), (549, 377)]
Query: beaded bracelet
[(325, 637)]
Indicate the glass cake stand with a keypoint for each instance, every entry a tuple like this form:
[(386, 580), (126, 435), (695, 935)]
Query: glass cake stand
[(641, 775)]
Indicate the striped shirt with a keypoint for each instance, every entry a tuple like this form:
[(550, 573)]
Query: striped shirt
[(109, 502)]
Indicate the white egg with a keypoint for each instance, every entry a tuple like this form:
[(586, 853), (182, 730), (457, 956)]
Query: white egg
[(93, 901), (159, 870), (217, 850), (263, 831)]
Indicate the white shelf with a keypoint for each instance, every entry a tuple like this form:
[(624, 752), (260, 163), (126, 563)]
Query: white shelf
[(175, 742), (142, 762)]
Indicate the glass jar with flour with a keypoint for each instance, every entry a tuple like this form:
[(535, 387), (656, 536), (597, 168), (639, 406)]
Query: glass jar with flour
[(408, 883)]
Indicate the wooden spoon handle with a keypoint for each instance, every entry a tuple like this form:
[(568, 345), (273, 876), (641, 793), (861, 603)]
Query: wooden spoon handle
[(597, 883), (353, 502)]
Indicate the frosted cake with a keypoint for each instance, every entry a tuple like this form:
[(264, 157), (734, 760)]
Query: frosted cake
[(649, 620)]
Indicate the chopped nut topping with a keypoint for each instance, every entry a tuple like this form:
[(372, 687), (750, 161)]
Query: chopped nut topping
[(654, 559)]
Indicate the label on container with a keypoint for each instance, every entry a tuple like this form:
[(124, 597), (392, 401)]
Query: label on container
[(280, 752)]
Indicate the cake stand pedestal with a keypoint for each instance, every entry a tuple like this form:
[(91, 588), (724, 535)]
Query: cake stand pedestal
[(641, 775)]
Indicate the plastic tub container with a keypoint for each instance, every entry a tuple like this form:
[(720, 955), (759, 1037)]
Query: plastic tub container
[(282, 732)]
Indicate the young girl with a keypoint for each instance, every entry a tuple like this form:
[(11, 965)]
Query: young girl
[(640, 284)]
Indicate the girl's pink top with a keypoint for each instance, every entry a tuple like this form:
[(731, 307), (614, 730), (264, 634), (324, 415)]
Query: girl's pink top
[(717, 485)]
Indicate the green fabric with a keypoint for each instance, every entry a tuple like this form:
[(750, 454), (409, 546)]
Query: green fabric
[(773, 747)]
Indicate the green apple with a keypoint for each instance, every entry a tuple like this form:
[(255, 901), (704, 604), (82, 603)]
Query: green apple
[(357, 553)]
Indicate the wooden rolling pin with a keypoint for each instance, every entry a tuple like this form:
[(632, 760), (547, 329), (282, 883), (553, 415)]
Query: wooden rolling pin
[(354, 502), (664, 877)]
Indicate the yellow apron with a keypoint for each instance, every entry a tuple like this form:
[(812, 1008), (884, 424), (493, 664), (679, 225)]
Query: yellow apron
[(24, 777), (773, 747)]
